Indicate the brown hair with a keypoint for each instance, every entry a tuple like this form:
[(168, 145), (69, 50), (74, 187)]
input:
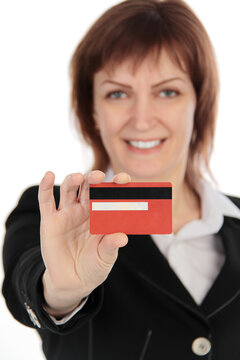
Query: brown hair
[(133, 29)]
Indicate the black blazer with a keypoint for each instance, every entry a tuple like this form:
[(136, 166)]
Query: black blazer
[(141, 312)]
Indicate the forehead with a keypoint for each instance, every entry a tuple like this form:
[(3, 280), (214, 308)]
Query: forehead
[(163, 64)]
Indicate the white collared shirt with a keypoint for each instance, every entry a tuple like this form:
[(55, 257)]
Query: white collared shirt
[(195, 252)]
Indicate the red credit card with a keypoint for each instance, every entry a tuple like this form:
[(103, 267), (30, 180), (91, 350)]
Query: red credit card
[(132, 208)]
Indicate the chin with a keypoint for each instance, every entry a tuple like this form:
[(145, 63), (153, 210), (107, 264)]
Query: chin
[(146, 174)]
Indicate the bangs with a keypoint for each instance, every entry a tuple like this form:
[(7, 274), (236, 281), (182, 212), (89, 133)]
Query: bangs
[(137, 38)]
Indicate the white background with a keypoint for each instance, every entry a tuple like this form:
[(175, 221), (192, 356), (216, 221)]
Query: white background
[(37, 39)]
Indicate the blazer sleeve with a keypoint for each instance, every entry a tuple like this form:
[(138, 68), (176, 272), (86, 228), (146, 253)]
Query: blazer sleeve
[(24, 267)]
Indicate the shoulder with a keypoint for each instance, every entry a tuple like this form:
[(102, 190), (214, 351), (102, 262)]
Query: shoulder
[(30, 196), (28, 202)]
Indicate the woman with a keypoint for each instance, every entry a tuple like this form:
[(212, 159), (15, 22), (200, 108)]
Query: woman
[(144, 91)]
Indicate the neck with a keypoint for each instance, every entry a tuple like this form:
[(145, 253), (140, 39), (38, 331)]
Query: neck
[(186, 202), (186, 205)]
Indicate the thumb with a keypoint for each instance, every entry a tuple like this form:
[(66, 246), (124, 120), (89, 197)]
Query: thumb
[(109, 245)]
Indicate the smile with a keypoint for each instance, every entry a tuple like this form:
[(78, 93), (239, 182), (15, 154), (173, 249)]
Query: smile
[(145, 147), (144, 144)]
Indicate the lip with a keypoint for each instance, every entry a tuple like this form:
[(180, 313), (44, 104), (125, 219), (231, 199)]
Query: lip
[(151, 139), (145, 151)]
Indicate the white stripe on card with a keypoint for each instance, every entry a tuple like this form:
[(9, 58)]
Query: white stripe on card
[(116, 205)]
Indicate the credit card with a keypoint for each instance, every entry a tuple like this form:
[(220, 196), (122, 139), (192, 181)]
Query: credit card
[(132, 208)]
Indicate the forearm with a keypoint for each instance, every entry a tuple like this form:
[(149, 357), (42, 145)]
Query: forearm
[(22, 286)]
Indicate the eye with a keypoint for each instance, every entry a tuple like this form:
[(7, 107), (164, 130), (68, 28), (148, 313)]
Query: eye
[(116, 95), (168, 93)]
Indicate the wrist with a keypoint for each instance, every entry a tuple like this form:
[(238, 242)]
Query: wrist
[(62, 313), (59, 303)]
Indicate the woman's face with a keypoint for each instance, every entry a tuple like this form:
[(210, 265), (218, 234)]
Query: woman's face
[(146, 118)]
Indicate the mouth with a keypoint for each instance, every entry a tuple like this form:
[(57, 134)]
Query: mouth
[(145, 146)]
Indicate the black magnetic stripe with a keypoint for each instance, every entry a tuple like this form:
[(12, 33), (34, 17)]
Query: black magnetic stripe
[(130, 193)]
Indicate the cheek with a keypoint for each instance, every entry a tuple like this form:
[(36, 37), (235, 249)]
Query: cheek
[(109, 131), (103, 119), (110, 122), (108, 127), (182, 120)]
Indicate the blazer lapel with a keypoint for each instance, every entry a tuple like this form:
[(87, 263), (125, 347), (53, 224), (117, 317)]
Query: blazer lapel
[(227, 285), (142, 256)]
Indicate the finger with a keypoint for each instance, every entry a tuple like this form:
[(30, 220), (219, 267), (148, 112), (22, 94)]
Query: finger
[(93, 177), (122, 178), (69, 189), (45, 194), (109, 245)]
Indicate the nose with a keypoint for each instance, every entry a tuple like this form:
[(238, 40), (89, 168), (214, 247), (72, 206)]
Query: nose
[(143, 113)]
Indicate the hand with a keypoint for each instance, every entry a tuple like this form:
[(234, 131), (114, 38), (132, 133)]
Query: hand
[(76, 261)]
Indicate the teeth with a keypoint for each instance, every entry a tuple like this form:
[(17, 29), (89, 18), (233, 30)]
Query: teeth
[(145, 144)]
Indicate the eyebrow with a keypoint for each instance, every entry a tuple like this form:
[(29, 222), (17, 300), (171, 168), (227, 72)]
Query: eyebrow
[(153, 86)]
